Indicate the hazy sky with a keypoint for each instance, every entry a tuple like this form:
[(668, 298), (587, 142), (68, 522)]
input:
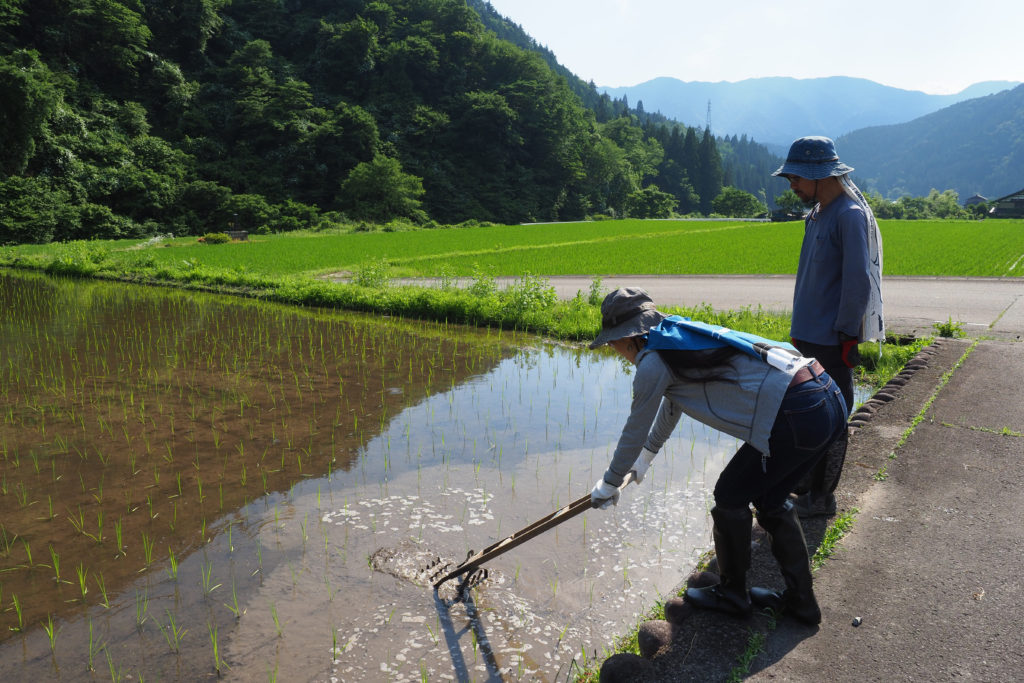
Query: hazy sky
[(937, 46)]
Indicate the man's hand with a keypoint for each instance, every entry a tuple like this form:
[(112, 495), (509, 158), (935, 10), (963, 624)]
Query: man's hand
[(849, 352), (643, 463), (604, 494)]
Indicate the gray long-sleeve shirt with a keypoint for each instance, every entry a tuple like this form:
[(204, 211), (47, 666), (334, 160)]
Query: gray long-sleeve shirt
[(744, 407), (833, 279)]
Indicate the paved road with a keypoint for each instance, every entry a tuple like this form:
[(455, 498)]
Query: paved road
[(985, 306)]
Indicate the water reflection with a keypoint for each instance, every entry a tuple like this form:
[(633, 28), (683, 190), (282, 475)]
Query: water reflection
[(194, 483)]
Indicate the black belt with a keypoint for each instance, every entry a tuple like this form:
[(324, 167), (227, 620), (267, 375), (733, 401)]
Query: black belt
[(807, 373)]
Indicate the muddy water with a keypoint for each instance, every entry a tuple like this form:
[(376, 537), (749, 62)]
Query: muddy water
[(193, 483)]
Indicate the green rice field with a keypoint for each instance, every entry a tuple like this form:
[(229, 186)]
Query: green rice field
[(936, 248)]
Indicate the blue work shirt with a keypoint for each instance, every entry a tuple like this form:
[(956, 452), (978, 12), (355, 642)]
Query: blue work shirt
[(833, 278)]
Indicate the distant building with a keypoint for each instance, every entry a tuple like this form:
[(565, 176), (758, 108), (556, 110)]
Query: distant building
[(976, 199), (1010, 206)]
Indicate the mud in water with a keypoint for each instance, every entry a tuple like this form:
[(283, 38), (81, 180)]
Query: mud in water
[(193, 484)]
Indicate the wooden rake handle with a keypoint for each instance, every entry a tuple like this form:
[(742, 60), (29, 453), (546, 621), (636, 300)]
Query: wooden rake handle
[(525, 534)]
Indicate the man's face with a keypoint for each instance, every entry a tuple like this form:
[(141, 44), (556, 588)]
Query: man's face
[(803, 188)]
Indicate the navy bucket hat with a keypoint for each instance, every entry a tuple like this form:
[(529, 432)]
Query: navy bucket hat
[(813, 157), (626, 312)]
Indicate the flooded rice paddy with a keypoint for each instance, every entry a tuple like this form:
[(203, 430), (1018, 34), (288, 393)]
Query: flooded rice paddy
[(195, 486)]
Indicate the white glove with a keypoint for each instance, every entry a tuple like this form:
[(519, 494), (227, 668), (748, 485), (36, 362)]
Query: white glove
[(604, 494), (643, 463)]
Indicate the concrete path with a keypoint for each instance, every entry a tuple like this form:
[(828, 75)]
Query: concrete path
[(934, 563), (993, 306)]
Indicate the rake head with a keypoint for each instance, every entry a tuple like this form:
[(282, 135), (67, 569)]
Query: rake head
[(471, 580), (435, 568)]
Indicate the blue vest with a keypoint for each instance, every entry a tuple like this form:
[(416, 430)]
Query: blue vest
[(683, 334)]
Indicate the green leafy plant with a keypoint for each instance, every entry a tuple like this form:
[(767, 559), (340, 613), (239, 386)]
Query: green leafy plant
[(215, 238), (372, 274), (950, 328), (842, 524)]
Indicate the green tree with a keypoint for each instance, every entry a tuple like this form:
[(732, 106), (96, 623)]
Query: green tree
[(11, 14), (108, 40), (246, 212), (202, 208), (737, 204), (650, 202), (709, 178), (913, 208), (610, 178), (789, 202), (690, 161), (882, 207), (945, 205), (644, 155), (346, 55), (380, 190), (979, 210), (32, 211), (27, 97), (182, 28)]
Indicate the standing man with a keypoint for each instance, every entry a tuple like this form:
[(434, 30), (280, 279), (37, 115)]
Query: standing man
[(837, 300)]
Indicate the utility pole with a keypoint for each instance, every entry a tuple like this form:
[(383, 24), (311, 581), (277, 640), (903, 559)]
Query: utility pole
[(708, 123)]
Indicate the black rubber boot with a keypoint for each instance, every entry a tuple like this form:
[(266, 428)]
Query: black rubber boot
[(790, 550), (731, 532)]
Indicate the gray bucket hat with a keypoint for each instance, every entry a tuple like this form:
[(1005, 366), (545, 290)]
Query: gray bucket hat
[(626, 312), (813, 157)]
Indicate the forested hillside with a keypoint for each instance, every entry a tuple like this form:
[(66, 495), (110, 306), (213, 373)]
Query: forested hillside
[(129, 117), (972, 147)]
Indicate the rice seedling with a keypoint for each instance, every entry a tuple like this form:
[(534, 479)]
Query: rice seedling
[(118, 530), (83, 574), (277, 620), (94, 646), (21, 494), (234, 606), (173, 634), (102, 585), (206, 573), (55, 563), (172, 569), (115, 671), (51, 634), (147, 549), (217, 661), (28, 552), (141, 608), (16, 604)]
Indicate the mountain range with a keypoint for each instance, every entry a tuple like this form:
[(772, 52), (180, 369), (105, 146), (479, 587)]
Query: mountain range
[(775, 111), (974, 147)]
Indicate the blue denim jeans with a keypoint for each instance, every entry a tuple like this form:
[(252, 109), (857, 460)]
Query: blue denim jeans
[(812, 415)]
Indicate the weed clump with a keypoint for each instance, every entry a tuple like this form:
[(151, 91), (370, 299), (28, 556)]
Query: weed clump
[(215, 238)]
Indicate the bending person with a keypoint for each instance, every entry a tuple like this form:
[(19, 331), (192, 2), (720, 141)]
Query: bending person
[(784, 407)]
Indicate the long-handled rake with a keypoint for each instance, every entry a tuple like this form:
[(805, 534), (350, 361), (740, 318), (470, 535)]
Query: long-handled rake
[(474, 560)]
